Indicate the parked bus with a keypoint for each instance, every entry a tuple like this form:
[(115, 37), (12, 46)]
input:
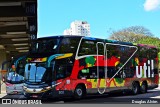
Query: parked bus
[(15, 76), (75, 66)]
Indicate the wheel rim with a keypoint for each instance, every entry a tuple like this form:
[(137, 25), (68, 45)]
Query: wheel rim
[(79, 92)]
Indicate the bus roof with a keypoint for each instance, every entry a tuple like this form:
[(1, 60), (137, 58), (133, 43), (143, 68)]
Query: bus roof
[(118, 42), (93, 38), (145, 45), (61, 36)]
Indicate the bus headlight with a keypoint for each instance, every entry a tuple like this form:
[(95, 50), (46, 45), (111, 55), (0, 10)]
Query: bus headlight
[(24, 87), (47, 88)]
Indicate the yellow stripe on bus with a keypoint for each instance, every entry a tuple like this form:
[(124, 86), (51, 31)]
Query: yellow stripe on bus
[(65, 56)]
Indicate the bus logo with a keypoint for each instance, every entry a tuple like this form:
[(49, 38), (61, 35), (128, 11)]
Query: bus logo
[(145, 70), (34, 90)]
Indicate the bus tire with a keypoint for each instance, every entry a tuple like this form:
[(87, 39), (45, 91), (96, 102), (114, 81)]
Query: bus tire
[(135, 88), (144, 88), (79, 92)]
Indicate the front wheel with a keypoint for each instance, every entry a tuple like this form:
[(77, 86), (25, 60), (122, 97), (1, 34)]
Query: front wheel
[(79, 92)]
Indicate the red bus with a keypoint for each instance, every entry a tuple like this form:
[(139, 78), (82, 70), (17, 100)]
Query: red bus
[(75, 66)]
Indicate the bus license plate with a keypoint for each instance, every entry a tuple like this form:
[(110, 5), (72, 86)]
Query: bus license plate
[(34, 96), (15, 92)]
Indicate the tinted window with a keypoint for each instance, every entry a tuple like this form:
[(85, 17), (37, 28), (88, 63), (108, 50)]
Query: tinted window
[(45, 46), (91, 73), (62, 68), (100, 47), (83, 74), (69, 45), (21, 67), (143, 52), (118, 56), (87, 47), (153, 53)]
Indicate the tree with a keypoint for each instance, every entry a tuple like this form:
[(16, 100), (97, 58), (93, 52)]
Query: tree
[(150, 41), (139, 30), (131, 34)]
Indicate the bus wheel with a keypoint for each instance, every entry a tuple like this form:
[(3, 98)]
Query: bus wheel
[(79, 92), (135, 88), (144, 88)]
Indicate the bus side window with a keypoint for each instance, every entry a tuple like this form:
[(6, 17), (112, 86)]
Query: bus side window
[(111, 72), (69, 45), (128, 72), (143, 53), (101, 73), (87, 47), (93, 72), (153, 53), (100, 49), (61, 69), (83, 74)]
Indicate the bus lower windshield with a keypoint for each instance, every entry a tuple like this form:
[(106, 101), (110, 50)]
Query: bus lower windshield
[(37, 73)]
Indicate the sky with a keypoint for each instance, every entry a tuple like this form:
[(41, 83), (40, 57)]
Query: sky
[(104, 16)]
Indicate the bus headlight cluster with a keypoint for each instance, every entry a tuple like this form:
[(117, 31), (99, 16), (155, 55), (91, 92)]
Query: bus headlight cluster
[(24, 87), (47, 88)]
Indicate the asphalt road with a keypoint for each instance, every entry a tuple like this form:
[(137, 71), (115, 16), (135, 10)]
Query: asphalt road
[(152, 96)]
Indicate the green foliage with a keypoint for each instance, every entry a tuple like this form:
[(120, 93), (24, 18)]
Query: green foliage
[(136, 34), (131, 34), (150, 41)]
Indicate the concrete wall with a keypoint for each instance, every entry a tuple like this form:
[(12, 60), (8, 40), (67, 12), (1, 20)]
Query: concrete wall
[(3, 57)]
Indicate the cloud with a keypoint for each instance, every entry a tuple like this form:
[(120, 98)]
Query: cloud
[(150, 5)]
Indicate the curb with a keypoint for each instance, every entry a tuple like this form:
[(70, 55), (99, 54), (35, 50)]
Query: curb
[(2, 95)]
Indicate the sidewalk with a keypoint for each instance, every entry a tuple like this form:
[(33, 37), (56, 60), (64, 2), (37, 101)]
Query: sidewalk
[(2, 95), (3, 90)]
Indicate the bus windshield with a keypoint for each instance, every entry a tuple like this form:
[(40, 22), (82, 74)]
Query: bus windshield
[(16, 70), (45, 46), (14, 78), (37, 72)]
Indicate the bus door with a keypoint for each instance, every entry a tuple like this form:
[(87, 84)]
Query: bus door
[(101, 67)]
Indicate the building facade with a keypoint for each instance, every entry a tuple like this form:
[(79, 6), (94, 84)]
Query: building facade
[(81, 28)]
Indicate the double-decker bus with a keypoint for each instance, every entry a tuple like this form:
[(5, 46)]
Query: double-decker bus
[(75, 66), (15, 75)]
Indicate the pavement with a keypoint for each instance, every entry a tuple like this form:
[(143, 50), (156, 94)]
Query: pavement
[(3, 89), (2, 95), (158, 88)]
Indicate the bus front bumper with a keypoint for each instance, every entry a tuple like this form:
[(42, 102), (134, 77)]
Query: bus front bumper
[(49, 94)]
